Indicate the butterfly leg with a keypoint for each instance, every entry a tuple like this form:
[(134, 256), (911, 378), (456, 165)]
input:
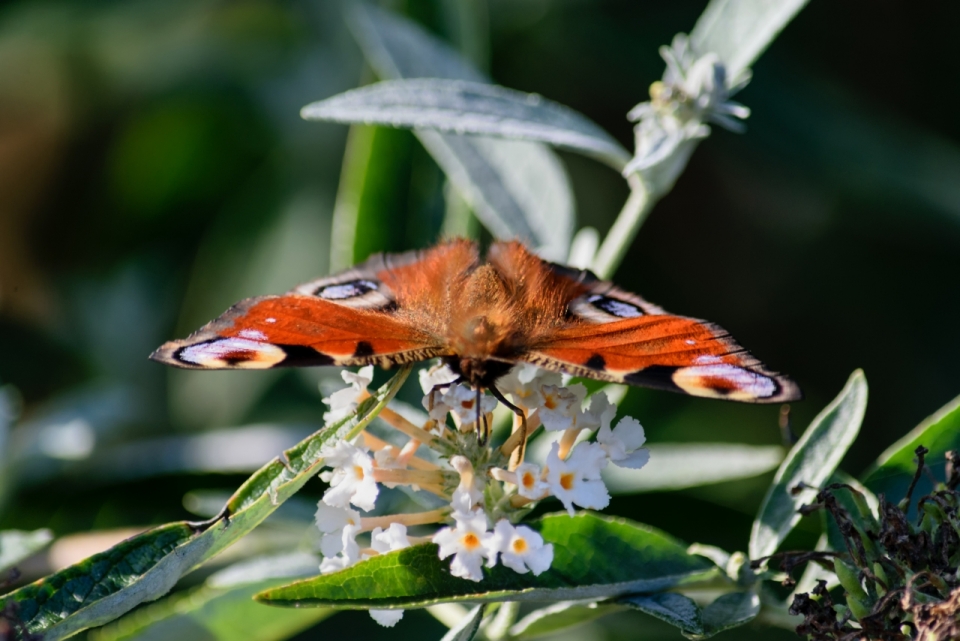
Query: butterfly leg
[(442, 386), (483, 428), (521, 449)]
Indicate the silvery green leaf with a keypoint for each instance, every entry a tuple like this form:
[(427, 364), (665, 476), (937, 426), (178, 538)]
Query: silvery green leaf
[(15, 546), (468, 626), (398, 48), (515, 188), (675, 609), (462, 107), (674, 466), (729, 611), (738, 31), (810, 462), (220, 609), (560, 616)]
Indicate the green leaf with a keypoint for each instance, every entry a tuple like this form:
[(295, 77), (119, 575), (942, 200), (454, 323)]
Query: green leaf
[(9, 411), (675, 466), (145, 567), (738, 31), (893, 470), (675, 609), (729, 611), (515, 188), (863, 512), (594, 557), (467, 628), (222, 609), (16, 545), (811, 461), (461, 107), (559, 616), (373, 191)]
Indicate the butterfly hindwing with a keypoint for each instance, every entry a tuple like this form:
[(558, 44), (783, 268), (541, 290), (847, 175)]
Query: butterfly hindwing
[(616, 336)]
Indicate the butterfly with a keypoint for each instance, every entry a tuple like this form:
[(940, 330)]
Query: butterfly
[(481, 318)]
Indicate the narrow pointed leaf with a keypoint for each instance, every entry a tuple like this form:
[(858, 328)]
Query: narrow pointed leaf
[(461, 107), (892, 472), (862, 510), (515, 188), (16, 545), (738, 31), (560, 616), (221, 608), (729, 611), (145, 567), (594, 557), (675, 466), (811, 461), (467, 628), (675, 609)]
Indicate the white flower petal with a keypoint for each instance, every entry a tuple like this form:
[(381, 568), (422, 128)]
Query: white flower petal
[(522, 549), (393, 538), (439, 374), (386, 618), (529, 481), (634, 460), (576, 481), (630, 433)]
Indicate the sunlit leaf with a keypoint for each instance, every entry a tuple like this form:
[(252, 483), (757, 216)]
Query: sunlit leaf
[(738, 31), (675, 466), (729, 611), (16, 545), (862, 510), (810, 462), (560, 616), (461, 107), (894, 469), (594, 557), (221, 609), (372, 195), (675, 609), (467, 628), (516, 188), (144, 567)]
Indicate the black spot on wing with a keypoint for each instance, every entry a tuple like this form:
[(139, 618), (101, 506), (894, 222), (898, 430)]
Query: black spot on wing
[(596, 362), (303, 356), (656, 376), (363, 349)]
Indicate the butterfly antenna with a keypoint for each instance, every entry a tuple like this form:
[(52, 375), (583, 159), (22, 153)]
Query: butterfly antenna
[(497, 394)]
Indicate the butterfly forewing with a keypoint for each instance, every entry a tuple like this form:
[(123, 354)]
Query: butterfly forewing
[(444, 302)]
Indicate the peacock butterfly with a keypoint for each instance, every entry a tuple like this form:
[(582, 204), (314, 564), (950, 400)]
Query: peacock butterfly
[(482, 318)]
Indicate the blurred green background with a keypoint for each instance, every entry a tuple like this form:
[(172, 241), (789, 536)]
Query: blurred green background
[(154, 169)]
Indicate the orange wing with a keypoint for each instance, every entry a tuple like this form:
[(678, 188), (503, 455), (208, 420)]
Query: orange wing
[(381, 312), (612, 335)]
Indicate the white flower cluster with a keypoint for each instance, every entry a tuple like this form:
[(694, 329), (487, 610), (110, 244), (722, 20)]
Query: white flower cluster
[(483, 485), (692, 93)]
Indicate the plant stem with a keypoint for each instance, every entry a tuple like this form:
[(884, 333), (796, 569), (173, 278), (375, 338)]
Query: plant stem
[(624, 228)]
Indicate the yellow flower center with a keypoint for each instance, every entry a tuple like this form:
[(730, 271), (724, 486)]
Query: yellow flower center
[(550, 402), (358, 471), (470, 541), (528, 480), (566, 481), (519, 545)]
